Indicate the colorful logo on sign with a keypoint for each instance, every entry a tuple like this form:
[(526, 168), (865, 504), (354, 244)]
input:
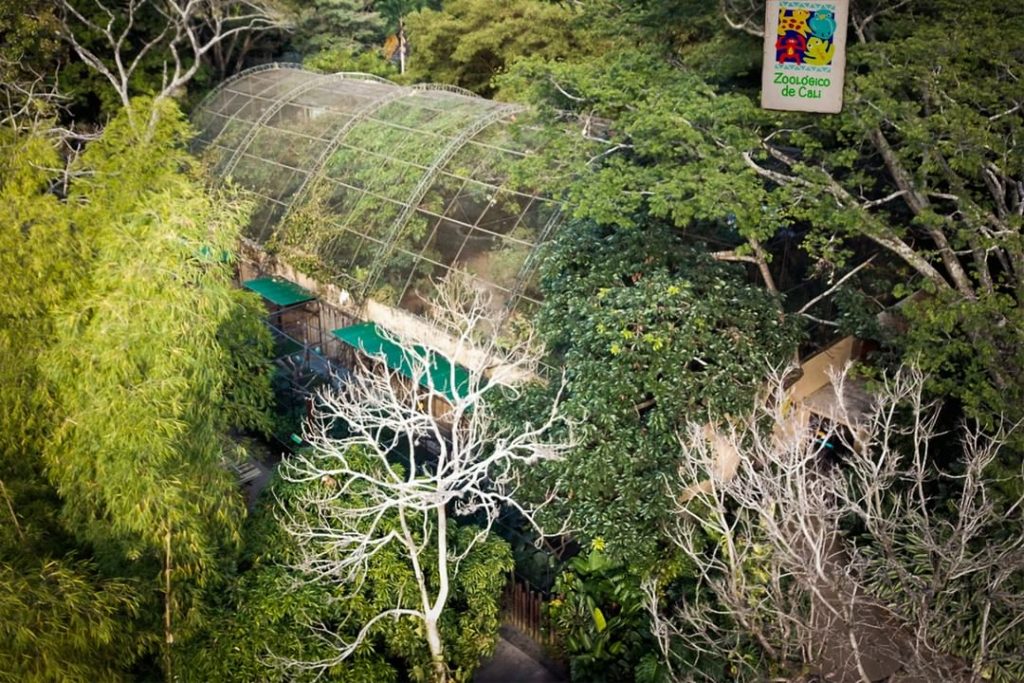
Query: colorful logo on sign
[(806, 36)]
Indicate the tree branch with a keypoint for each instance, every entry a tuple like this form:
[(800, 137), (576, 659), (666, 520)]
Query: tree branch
[(836, 286)]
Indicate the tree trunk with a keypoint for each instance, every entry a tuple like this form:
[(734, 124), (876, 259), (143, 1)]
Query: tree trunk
[(436, 649), (403, 46), (918, 203), (10, 508), (243, 52), (433, 614)]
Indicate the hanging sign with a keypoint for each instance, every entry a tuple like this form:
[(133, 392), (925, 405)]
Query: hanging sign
[(804, 55)]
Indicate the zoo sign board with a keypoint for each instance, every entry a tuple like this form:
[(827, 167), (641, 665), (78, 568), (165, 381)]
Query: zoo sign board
[(804, 55)]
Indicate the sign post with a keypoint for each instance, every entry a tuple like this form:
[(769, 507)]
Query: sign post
[(804, 55)]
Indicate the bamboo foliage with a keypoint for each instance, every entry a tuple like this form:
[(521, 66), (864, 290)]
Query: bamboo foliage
[(77, 622), (61, 620), (151, 357)]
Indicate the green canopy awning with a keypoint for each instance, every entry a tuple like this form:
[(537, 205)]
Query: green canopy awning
[(279, 291), (440, 377)]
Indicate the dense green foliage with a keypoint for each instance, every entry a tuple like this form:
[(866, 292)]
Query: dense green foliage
[(651, 333), (601, 620), (460, 42), (345, 58), (337, 24), (127, 358), (29, 45), (922, 170), (153, 361), (919, 166), (268, 625), (469, 42), (62, 622)]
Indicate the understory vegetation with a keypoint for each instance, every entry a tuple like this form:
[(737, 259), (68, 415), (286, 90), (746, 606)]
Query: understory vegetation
[(695, 521)]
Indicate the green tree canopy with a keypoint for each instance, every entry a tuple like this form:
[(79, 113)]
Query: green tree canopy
[(651, 332), (923, 166), (326, 25), (469, 42), (276, 617)]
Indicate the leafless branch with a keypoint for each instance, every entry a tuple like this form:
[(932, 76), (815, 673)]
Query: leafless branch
[(28, 100), (788, 576), (750, 13), (1011, 110), (861, 23), (828, 292), (609, 151), (731, 255), (883, 200), (189, 31), (565, 93)]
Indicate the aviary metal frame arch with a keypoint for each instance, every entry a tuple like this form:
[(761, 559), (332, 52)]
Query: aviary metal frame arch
[(309, 118), (446, 154)]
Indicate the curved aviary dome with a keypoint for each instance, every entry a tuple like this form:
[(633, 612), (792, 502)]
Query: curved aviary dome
[(376, 187)]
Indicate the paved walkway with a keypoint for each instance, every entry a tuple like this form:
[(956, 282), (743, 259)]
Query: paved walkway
[(511, 665)]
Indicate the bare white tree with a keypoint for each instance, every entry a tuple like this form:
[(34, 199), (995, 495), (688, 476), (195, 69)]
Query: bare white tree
[(743, 15), (30, 104), (406, 502), (118, 44), (854, 556), (27, 98)]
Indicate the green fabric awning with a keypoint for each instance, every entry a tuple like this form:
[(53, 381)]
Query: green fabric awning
[(368, 339), (279, 291)]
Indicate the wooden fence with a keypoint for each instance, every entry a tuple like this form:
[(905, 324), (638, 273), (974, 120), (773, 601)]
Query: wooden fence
[(523, 609)]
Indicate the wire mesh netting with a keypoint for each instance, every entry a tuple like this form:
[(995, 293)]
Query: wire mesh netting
[(380, 188)]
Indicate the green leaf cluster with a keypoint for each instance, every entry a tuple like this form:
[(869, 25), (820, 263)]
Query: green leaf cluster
[(651, 334), (470, 42), (599, 614), (346, 58), (332, 25)]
